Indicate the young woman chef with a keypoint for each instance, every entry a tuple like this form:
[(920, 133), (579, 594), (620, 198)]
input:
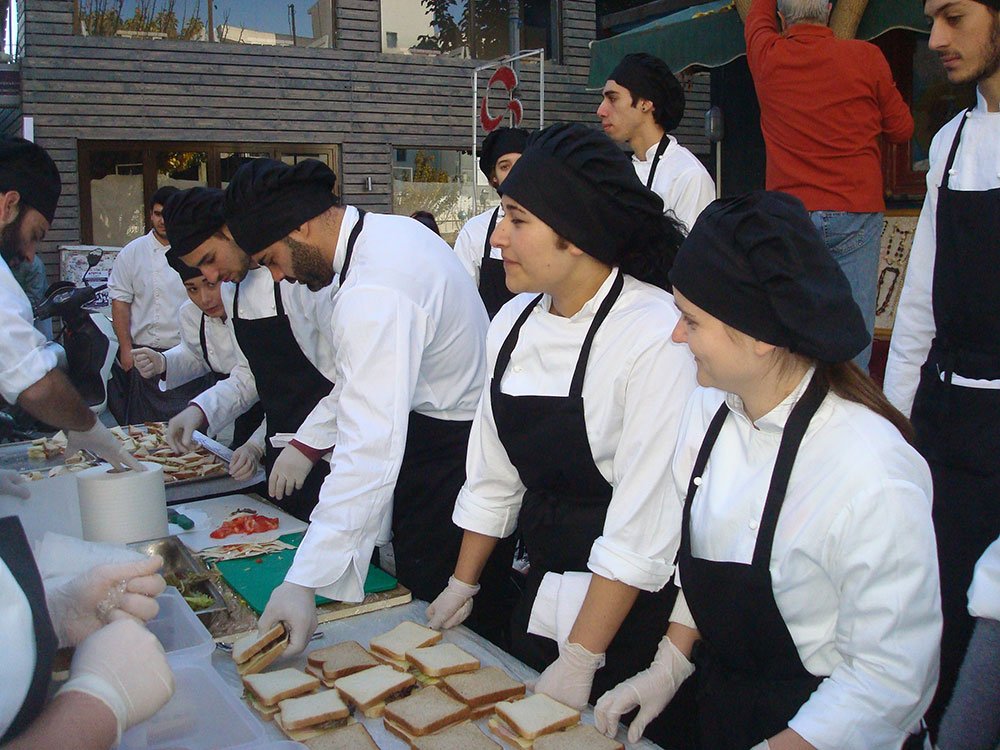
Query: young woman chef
[(807, 557), (584, 401)]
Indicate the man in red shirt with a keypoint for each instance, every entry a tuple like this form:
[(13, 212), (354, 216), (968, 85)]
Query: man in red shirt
[(824, 102)]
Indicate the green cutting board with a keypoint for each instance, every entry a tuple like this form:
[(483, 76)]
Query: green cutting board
[(254, 578)]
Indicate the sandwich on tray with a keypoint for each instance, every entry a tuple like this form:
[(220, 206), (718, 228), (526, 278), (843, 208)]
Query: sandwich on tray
[(311, 715), (351, 737), (391, 647), (371, 689), (423, 712), (266, 689), (580, 737), (464, 736), (520, 723), (481, 689), (439, 660), (254, 652), (333, 662)]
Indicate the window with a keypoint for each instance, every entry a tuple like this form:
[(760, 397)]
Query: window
[(467, 28), (117, 178), (278, 23)]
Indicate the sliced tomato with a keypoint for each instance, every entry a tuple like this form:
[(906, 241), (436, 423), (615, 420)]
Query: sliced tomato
[(245, 524)]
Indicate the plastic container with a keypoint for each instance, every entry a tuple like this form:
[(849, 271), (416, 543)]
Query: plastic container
[(203, 713), (180, 631)]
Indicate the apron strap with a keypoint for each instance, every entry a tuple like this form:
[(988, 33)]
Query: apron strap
[(714, 428), (664, 142), (503, 357), (576, 387), (236, 302), (204, 345), (279, 305), (954, 149), (351, 240), (487, 247)]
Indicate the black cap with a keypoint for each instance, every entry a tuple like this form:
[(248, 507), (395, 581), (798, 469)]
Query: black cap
[(183, 270), (267, 199), (27, 168), (192, 216), (757, 263), (648, 77), (499, 142)]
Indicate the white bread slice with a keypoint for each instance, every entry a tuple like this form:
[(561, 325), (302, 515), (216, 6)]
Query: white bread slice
[(425, 711), (353, 737), (580, 737), (344, 659), (442, 659), (317, 672), (311, 710), (267, 713), (484, 687), (402, 638), (464, 736), (503, 730), (256, 651), (371, 689), (537, 715), (271, 687)]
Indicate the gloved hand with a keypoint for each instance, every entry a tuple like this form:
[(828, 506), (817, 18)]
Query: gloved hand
[(289, 472), (568, 679), (105, 593), (762, 746), (452, 605), (651, 690), (100, 441), (181, 428), (12, 483), (245, 461), (295, 606), (149, 362), (124, 667)]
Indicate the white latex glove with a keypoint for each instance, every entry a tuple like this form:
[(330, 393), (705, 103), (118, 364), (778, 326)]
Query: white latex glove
[(12, 483), (295, 606), (289, 472), (103, 594), (569, 678), (452, 605), (100, 441), (762, 746), (180, 429), (124, 667), (651, 690), (245, 461), (149, 362)]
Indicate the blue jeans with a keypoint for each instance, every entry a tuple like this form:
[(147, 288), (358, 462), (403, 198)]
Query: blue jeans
[(855, 241)]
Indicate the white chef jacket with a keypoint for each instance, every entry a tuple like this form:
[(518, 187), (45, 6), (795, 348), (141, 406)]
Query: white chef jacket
[(186, 361), (854, 562), (471, 242), (680, 180), (408, 328), (636, 385), (308, 313), (141, 277), (976, 167), (984, 594), (18, 629), (24, 357)]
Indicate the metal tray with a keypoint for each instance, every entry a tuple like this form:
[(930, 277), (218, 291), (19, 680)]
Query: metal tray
[(14, 457), (179, 561)]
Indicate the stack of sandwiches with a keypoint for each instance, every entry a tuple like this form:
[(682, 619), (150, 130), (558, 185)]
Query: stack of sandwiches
[(311, 715), (424, 712), (351, 737), (371, 689), (391, 647), (580, 737), (431, 663), (333, 662), (482, 689), (464, 736), (265, 690), (256, 651), (520, 723)]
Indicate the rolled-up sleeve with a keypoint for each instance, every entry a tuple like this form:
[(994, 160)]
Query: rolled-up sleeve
[(185, 361), (120, 285), (24, 357)]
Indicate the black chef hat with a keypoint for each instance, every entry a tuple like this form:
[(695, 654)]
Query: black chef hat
[(192, 216), (582, 185), (183, 270), (267, 199), (995, 4), (499, 142), (757, 263), (648, 77), (27, 168)]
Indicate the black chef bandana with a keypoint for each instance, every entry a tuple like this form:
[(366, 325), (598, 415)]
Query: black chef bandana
[(995, 4), (648, 77), (757, 263), (582, 185), (183, 270), (28, 169), (267, 199), (192, 216), (501, 141)]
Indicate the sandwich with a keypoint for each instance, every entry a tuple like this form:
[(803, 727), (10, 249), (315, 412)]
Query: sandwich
[(351, 737), (311, 715), (520, 723), (423, 712), (481, 689), (257, 650), (580, 737), (265, 690), (391, 647), (440, 660), (333, 662), (464, 736), (371, 689)]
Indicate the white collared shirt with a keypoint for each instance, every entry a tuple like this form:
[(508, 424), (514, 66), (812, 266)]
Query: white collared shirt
[(19, 658), (854, 562), (636, 385), (24, 357), (471, 242), (984, 593), (976, 167), (186, 361), (680, 180), (408, 328), (142, 278)]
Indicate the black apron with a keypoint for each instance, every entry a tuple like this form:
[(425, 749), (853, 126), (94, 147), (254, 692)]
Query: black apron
[(565, 503), (751, 681), (289, 386), (132, 399), (492, 278), (16, 554), (958, 428), (664, 142), (247, 422)]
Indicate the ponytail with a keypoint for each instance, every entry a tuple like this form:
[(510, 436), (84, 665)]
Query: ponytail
[(651, 255), (849, 382)]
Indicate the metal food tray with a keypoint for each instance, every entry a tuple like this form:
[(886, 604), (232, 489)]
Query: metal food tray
[(14, 457), (218, 450), (179, 560)]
